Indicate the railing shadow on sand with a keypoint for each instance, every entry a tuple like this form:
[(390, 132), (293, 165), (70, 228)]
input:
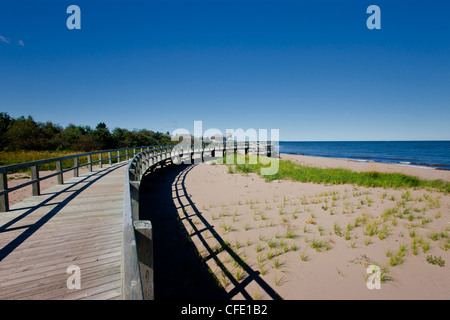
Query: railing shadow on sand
[(181, 272)]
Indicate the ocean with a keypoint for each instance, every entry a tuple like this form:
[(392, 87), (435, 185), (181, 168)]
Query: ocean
[(435, 154)]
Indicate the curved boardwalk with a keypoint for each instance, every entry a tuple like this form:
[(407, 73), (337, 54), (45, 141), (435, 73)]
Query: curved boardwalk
[(78, 223)]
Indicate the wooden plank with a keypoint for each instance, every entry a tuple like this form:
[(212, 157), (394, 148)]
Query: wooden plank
[(59, 264), (46, 284), (95, 287), (37, 252), (49, 256), (43, 277), (114, 294)]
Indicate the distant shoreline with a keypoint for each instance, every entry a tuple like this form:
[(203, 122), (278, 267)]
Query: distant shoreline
[(371, 160), (432, 154)]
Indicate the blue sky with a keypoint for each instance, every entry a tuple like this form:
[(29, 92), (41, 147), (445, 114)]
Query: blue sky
[(311, 69)]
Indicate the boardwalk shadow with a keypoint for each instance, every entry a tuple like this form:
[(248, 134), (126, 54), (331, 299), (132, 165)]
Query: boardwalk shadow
[(180, 271)]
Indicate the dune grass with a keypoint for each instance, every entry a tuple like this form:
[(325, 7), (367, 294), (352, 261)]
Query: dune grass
[(296, 172), (15, 157)]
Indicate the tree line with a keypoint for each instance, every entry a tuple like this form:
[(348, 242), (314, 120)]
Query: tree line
[(24, 133)]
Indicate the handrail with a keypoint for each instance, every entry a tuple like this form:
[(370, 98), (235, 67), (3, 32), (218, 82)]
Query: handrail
[(137, 246), (25, 165), (36, 179)]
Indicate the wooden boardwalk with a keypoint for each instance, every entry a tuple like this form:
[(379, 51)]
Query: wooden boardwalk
[(78, 223)]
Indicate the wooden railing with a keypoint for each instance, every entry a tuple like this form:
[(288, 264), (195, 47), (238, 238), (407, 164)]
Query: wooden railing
[(137, 254), (116, 155)]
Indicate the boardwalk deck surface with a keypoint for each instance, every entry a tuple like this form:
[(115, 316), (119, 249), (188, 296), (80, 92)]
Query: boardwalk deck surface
[(78, 223)]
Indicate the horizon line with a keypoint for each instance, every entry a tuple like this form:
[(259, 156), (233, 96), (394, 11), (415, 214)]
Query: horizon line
[(414, 140)]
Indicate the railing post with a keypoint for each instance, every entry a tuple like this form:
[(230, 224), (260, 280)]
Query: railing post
[(110, 158), (126, 155), (100, 157), (171, 155), (150, 159), (36, 187), (76, 162), (89, 162), (144, 245), (141, 167), (118, 156), (59, 169), (4, 200), (134, 192)]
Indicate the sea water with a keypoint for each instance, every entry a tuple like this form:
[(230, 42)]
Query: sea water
[(435, 154)]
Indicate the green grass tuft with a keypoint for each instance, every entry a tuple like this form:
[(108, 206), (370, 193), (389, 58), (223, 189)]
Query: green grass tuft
[(297, 172)]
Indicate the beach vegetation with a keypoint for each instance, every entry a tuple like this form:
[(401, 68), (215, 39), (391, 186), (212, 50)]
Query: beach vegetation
[(239, 274), (384, 276), (436, 260), (437, 235), (278, 279), (276, 263), (296, 172), (320, 229), (318, 245), (272, 244), (304, 257), (289, 234), (383, 233), (227, 227), (337, 229), (398, 257)]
